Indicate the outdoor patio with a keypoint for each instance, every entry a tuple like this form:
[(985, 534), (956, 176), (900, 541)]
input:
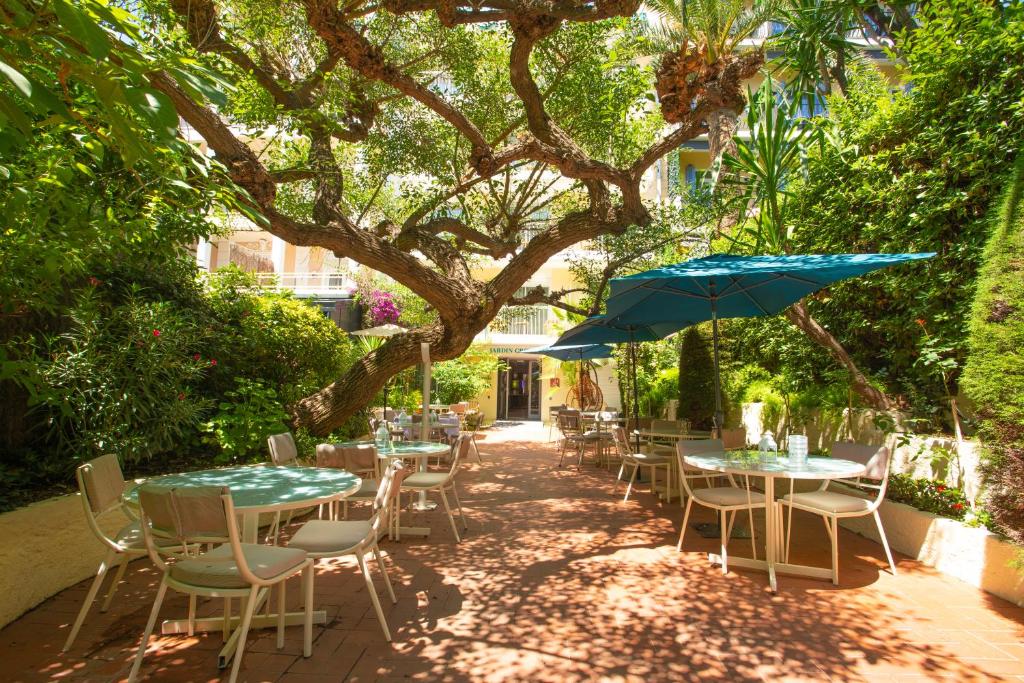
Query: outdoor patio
[(557, 579)]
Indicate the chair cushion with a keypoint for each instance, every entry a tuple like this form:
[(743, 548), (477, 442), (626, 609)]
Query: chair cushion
[(726, 496), (652, 458), (367, 490), (424, 480), (265, 561), (329, 537), (828, 501)]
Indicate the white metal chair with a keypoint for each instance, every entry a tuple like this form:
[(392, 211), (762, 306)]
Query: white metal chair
[(283, 452), (652, 461), (360, 460), (553, 417), (101, 484), (205, 515), (570, 424), (726, 500), (322, 539), (833, 506), (441, 482)]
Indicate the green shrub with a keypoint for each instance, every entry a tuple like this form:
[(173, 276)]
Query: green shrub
[(696, 380), (124, 379), (994, 376), (284, 342), (240, 427), (463, 378)]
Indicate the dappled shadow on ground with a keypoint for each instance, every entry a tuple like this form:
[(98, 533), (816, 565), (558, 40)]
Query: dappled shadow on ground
[(558, 579)]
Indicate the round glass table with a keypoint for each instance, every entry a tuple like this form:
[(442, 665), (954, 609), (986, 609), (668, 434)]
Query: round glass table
[(752, 464), (264, 488), (419, 451)]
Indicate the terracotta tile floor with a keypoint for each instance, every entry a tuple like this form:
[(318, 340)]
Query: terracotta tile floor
[(558, 579)]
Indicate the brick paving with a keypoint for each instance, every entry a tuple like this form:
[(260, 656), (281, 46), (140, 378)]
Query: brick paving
[(558, 579)]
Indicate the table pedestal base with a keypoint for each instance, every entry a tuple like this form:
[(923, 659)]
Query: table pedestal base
[(423, 506), (779, 567)]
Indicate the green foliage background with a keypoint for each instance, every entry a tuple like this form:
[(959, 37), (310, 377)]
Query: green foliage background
[(994, 376)]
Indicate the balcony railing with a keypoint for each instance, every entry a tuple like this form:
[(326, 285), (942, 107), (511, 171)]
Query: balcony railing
[(308, 284), (521, 320)]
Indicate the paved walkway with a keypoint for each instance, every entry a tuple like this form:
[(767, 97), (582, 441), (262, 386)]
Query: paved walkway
[(558, 580)]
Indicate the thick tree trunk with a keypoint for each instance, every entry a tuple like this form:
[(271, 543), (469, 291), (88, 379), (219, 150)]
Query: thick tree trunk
[(801, 317), (329, 408), (722, 124)]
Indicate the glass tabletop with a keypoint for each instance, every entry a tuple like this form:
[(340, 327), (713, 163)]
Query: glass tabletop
[(403, 448), (264, 487), (750, 462)]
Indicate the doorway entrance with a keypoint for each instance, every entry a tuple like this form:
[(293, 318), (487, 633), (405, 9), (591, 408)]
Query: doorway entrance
[(519, 390)]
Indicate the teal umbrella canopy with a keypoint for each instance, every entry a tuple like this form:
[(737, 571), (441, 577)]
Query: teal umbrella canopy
[(600, 329), (575, 352), (726, 286)]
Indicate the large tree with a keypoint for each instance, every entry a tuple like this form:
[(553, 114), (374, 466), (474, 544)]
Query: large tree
[(416, 136)]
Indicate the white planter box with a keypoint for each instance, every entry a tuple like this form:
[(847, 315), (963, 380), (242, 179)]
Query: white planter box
[(47, 547), (970, 554)]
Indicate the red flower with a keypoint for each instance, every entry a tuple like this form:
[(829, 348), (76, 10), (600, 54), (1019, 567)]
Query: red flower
[(940, 488), (196, 356), (958, 506), (181, 397), (95, 281), (156, 333), (920, 321), (213, 361)]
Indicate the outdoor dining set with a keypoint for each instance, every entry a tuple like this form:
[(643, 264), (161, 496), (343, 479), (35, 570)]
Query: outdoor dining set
[(217, 533), (724, 475)]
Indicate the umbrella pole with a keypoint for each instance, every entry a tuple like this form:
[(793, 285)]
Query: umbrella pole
[(636, 407), (579, 381), (719, 414)]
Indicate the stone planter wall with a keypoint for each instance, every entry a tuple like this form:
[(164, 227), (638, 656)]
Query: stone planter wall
[(973, 555), (47, 548)]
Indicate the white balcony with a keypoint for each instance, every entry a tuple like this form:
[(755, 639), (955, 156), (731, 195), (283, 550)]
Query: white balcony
[(308, 284)]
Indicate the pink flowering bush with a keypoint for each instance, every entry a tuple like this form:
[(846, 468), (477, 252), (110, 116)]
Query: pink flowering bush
[(383, 309)]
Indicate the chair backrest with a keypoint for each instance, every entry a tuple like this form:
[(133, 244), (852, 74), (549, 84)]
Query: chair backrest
[(621, 443), (101, 483), (359, 459), (734, 438), (460, 451), (874, 458), (458, 408), (666, 426), (687, 447), (282, 448), (569, 422)]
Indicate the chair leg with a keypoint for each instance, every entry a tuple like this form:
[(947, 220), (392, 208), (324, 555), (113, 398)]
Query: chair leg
[(122, 566), (243, 633), (753, 536), (686, 519), (632, 478), (480, 458), (732, 520), (191, 614), (561, 452), (307, 608), (835, 550), (725, 542), (384, 571), (160, 593), (361, 559), (885, 542), (280, 613), (458, 504), (226, 626), (448, 509), (789, 530), (101, 572), (615, 486)]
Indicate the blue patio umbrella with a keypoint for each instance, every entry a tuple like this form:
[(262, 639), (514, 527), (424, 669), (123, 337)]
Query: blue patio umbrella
[(601, 329), (576, 352), (727, 286)]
